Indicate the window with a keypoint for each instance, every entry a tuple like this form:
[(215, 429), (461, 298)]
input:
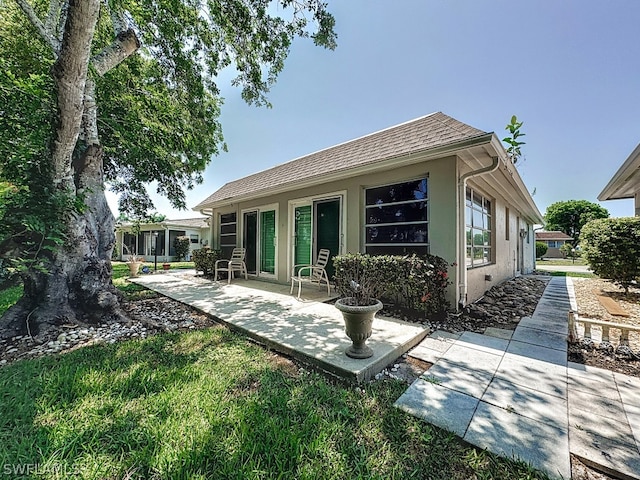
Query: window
[(129, 243), (396, 218), (194, 238), (478, 228), (228, 228)]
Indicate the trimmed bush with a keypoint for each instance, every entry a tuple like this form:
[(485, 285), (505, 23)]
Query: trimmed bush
[(415, 282), (205, 259), (541, 249), (611, 247), (181, 244)]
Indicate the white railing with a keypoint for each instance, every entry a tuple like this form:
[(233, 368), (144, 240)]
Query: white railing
[(625, 329)]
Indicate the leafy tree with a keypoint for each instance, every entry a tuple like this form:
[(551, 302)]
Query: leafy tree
[(121, 92), (181, 244), (541, 249), (513, 150), (571, 215), (611, 247), (568, 250)]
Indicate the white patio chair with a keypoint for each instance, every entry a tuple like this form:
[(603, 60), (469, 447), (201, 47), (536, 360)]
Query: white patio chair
[(234, 264), (317, 272)]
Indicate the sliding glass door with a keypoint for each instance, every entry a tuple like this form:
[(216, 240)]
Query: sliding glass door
[(317, 225), (259, 240)]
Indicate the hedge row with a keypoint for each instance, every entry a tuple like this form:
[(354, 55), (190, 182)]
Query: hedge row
[(415, 282), (611, 247)]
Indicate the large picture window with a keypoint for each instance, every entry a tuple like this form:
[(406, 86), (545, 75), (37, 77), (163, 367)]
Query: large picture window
[(396, 218), (228, 229), (478, 228)]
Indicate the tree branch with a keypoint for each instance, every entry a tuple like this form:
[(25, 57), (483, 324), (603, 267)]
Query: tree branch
[(70, 74), (125, 44), (46, 35)]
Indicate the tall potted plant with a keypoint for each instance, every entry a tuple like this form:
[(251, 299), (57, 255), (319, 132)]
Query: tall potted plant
[(359, 286), (134, 262)]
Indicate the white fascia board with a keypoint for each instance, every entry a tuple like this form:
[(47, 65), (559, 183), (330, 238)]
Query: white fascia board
[(621, 185)]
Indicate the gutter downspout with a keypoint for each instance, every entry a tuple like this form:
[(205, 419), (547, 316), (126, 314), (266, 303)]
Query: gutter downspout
[(462, 252)]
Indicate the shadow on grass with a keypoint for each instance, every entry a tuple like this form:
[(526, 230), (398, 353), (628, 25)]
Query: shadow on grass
[(209, 404)]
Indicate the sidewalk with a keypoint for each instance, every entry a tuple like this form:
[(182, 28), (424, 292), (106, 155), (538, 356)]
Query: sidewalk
[(514, 394), (306, 329)]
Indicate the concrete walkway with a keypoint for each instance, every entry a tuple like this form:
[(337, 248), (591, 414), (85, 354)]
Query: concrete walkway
[(518, 397), (305, 329), (563, 268)]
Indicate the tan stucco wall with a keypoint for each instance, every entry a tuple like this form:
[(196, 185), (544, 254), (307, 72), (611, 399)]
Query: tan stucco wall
[(505, 255), (443, 228), (442, 209)]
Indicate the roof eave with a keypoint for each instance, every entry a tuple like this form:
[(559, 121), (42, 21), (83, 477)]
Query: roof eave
[(618, 186)]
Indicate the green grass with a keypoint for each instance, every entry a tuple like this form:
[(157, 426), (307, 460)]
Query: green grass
[(209, 404), (8, 297), (572, 274), (130, 290), (562, 261)]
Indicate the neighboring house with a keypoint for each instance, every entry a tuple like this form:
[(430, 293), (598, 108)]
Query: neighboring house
[(626, 182), (431, 185), (553, 240), (144, 242)]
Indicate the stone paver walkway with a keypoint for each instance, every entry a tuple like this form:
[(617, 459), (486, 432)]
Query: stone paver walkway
[(516, 395)]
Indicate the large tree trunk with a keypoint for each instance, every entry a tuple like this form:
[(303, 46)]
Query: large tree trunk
[(78, 287)]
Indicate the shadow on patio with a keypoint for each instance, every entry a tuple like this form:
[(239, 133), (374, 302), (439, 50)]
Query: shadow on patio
[(306, 329)]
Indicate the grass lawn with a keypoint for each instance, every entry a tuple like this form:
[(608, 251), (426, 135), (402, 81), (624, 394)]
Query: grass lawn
[(210, 404), (9, 296), (561, 261), (572, 274)]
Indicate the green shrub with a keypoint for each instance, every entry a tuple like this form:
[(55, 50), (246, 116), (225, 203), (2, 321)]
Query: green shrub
[(541, 249), (205, 260), (611, 247), (181, 244), (415, 282), (568, 251)]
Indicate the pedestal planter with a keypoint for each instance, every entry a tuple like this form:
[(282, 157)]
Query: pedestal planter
[(134, 267), (358, 321)]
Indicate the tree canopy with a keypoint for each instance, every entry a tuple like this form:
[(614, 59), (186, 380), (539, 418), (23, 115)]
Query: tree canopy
[(120, 92), (571, 215)]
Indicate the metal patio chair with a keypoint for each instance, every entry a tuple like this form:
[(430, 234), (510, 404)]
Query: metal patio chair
[(317, 272)]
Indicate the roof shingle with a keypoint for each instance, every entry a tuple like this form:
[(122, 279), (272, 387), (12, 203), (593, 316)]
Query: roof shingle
[(554, 235), (430, 131)]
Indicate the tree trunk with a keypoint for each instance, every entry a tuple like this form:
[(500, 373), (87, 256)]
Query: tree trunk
[(78, 288)]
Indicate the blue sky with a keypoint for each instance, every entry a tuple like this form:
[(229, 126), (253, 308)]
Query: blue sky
[(569, 69)]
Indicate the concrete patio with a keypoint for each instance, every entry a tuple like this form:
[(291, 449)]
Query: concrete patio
[(305, 328)]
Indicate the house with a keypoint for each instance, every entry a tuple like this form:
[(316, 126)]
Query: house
[(430, 185), (553, 240), (626, 182), (143, 241)]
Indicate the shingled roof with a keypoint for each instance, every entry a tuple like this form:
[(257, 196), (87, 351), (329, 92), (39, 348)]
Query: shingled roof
[(553, 235), (424, 133)]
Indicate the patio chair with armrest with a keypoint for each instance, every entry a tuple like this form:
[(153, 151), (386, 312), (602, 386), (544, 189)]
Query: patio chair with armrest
[(317, 272), (234, 264)]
